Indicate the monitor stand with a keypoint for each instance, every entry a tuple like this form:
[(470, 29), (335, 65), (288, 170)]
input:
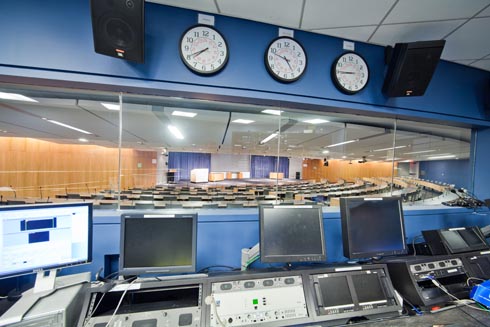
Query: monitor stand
[(46, 284)]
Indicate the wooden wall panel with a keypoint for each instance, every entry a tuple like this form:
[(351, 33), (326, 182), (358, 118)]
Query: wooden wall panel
[(342, 169), (31, 166)]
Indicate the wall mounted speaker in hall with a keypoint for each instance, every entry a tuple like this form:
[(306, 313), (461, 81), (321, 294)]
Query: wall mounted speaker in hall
[(410, 67), (119, 28)]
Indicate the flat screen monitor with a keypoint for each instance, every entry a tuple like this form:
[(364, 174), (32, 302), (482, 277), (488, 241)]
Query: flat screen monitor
[(44, 237), (455, 240), (291, 234), (158, 244), (372, 227)]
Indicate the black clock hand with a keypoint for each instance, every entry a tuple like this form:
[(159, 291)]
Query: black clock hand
[(195, 54), (286, 59), (344, 72)]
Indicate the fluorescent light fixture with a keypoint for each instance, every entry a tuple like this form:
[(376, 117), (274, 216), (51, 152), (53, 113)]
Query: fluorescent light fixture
[(316, 121), (111, 106), (344, 157), (183, 113), (325, 151), (82, 140), (443, 157), (417, 152), (14, 96), (238, 145), (67, 126), (175, 131), (243, 121), (391, 148), (341, 143), (392, 159), (268, 138), (272, 112)]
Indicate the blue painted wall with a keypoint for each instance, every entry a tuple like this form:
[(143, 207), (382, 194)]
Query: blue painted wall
[(223, 233), (455, 172), (53, 40)]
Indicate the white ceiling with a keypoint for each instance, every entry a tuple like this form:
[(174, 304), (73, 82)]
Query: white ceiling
[(213, 130), (464, 24)]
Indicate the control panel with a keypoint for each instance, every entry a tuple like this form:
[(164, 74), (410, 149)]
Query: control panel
[(256, 301), (143, 305), (437, 269)]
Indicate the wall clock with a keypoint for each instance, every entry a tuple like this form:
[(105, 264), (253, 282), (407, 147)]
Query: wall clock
[(203, 50), (285, 59), (350, 73)]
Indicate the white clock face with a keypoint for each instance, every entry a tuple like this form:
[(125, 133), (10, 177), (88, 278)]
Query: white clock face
[(285, 59), (203, 50), (350, 73)]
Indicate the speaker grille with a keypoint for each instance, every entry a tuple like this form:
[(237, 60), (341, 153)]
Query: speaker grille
[(118, 28)]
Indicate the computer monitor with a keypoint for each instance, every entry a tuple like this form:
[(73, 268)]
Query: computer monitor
[(372, 227), (291, 234), (158, 244), (43, 237), (455, 240)]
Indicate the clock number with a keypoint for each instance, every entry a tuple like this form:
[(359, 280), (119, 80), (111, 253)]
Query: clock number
[(205, 33)]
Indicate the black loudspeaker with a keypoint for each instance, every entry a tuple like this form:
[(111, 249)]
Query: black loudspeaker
[(325, 163), (410, 68), (119, 28)]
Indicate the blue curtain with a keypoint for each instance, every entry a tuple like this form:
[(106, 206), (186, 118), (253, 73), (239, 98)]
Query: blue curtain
[(261, 166), (184, 162)]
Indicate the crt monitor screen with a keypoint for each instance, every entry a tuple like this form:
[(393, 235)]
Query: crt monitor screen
[(291, 234), (158, 243), (44, 236), (372, 227)]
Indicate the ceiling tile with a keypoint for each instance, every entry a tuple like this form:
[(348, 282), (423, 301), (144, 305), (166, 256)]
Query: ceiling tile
[(201, 5), (423, 10), (276, 12), (485, 12), (398, 33), (320, 14), (350, 33), (483, 64), (470, 41)]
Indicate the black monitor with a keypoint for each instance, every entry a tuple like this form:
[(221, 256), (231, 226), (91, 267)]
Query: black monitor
[(158, 243), (291, 234), (372, 227), (455, 240), (39, 237)]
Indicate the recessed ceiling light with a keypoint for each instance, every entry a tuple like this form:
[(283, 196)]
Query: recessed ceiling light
[(341, 143), (183, 113), (391, 148), (344, 157), (272, 112), (237, 145), (417, 152), (66, 126), (243, 121), (316, 121), (14, 96), (442, 157), (268, 138), (111, 106), (175, 131), (325, 151), (82, 140)]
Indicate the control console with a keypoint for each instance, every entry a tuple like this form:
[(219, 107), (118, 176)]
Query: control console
[(256, 301)]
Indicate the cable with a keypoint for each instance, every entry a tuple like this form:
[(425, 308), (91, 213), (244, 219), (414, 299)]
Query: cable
[(206, 269), (413, 244), (458, 301), (209, 300), (120, 301), (471, 278)]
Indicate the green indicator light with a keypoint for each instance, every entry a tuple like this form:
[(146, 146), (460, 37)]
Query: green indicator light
[(255, 301)]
